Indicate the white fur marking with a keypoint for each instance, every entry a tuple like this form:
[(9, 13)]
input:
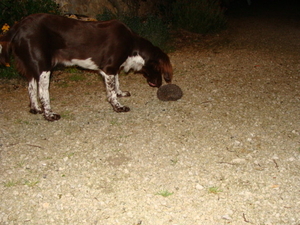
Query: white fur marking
[(0, 49), (110, 88), (44, 90), (33, 94), (133, 62), (45, 97), (112, 91), (84, 63), (117, 85)]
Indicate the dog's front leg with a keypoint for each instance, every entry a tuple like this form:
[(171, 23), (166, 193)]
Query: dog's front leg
[(118, 90), (110, 83)]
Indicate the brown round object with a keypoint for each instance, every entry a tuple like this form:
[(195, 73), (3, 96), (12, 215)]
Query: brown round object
[(169, 92)]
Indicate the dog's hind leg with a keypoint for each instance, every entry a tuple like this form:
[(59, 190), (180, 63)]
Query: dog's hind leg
[(45, 98), (33, 95)]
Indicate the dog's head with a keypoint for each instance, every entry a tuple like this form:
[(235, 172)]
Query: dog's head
[(156, 68)]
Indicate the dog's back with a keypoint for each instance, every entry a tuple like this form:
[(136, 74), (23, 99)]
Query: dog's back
[(53, 40)]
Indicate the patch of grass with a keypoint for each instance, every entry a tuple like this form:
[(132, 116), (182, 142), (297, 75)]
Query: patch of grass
[(62, 84), (19, 121), (76, 77), (164, 193), (70, 154), (117, 150), (67, 115), (31, 183), (114, 122), (214, 190), (71, 69), (20, 164), (174, 161), (10, 183)]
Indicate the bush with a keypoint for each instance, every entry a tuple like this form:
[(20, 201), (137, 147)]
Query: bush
[(106, 15), (199, 16), (13, 11), (8, 72), (152, 28)]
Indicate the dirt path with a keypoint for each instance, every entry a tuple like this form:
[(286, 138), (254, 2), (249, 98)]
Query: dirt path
[(228, 152)]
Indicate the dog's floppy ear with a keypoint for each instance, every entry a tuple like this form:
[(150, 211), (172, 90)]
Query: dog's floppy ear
[(166, 69)]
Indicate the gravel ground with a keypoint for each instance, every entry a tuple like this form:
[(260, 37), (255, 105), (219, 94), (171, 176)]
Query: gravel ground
[(228, 152)]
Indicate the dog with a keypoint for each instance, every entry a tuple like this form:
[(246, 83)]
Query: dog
[(40, 42)]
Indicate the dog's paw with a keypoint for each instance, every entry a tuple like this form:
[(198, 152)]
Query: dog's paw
[(35, 111), (124, 94), (51, 116), (122, 109)]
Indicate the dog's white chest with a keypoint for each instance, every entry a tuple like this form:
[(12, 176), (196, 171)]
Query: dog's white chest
[(133, 62)]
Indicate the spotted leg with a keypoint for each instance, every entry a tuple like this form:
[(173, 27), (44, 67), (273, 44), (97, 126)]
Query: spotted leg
[(117, 88), (110, 83), (44, 97), (33, 95)]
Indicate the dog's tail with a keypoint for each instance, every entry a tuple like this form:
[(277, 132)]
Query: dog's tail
[(5, 47)]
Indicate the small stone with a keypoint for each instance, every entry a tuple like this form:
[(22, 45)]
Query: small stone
[(199, 187), (238, 161), (45, 205), (226, 217), (58, 132), (291, 159)]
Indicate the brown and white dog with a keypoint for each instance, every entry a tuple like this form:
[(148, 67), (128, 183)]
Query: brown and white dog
[(42, 41)]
